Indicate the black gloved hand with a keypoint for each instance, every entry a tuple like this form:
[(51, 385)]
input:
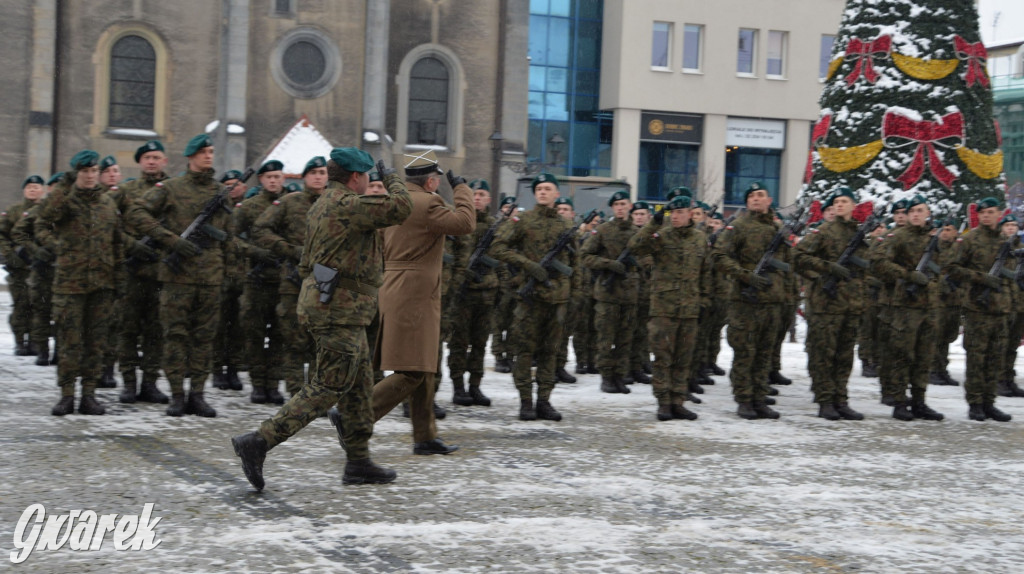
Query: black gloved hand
[(838, 270), (616, 267), (918, 278), (536, 270), (382, 171), (139, 250), (659, 217), (454, 180), (759, 282), (262, 255), (991, 281), (184, 247), (44, 255)]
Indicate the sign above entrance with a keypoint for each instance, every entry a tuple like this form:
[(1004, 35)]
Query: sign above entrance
[(742, 132), (671, 128)]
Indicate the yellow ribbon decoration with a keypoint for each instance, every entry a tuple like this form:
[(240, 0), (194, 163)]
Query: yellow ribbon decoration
[(833, 66), (839, 159), (924, 69), (982, 165)]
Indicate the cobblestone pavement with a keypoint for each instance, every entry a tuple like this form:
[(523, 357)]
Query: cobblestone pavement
[(608, 489)]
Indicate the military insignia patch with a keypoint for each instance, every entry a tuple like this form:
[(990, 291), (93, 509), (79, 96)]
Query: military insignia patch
[(159, 184), (239, 204)]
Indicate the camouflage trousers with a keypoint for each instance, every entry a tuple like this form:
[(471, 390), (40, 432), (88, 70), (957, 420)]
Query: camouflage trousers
[(296, 341), (262, 333), (83, 323), (614, 323), (21, 314), (947, 329), (753, 330), (537, 330), (673, 342), (830, 341), (41, 294), (786, 323), (1014, 333), (341, 376), (501, 346), (140, 327), (867, 336), (584, 338), (228, 346), (985, 342), (640, 351), (419, 388), (572, 311), (471, 328), (709, 335), (371, 339), (189, 314), (909, 350), (884, 356)]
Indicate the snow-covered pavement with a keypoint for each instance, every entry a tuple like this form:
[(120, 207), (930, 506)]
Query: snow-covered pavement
[(608, 489)]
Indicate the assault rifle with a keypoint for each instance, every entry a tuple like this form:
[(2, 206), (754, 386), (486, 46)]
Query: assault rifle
[(479, 258), (256, 273), (1018, 277), (998, 269), (768, 262), (627, 259), (200, 232), (847, 258), (925, 264), (549, 263), (714, 236), (293, 273)]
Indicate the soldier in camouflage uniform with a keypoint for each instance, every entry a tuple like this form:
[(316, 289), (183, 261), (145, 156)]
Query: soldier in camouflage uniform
[(949, 309), (35, 243), (281, 229), (18, 269), (584, 337), (753, 325), (912, 319), (986, 311), (832, 328), (615, 293), (523, 242), (565, 208), (473, 297), (885, 311), (709, 336), (190, 295), (342, 234), (229, 344), (110, 177), (85, 223), (868, 350), (506, 304), (140, 287), (679, 287), (1007, 387), (640, 351), (260, 324)]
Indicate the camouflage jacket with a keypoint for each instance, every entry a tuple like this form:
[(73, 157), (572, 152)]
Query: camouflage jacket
[(606, 242), (679, 283), (173, 205), (824, 245), (32, 234), (124, 196), (464, 249), (281, 228), (243, 218), (342, 233), (978, 250), (8, 219), (902, 252), (88, 232), (740, 247), (528, 237), (948, 295)]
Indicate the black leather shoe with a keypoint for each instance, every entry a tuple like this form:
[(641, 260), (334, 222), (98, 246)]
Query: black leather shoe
[(65, 406), (366, 472), (439, 412), (434, 446), (252, 449)]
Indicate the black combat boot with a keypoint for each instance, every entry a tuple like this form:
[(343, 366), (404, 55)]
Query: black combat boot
[(475, 393), (976, 412), (773, 392), (664, 412), (764, 411), (626, 380), (681, 412), (43, 358), (234, 383), (648, 368), (220, 381), (1017, 391), (950, 380), (258, 395), (177, 406), (90, 406), (693, 398), (526, 410), (1003, 389), (704, 379), (995, 414), (546, 412), (608, 385), (641, 377), (274, 396), (746, 411), (107, 381), (30, 349), (65, 406), (563, 376), (148, 393), (828, 412), (502, 366), (621, 383), (20, 350), (581, 368), (920, 410), (716, 370), (196, 405), (433, 446), (769, 401), (694, 387), (593, 370), (252, 449), (127, 395), (777, 378), (847, 413), (889, 401), (366, 472), (439, 411), (936, 378), (460, 396), (868, 369), (901, 412)]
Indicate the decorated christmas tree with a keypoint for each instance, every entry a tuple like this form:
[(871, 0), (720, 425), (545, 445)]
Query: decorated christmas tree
[(907, 107)]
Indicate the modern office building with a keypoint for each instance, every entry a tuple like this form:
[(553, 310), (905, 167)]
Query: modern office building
[(1006, 70)]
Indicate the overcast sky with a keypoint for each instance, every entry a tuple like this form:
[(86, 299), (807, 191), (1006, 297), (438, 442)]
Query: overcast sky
[(1007, 27)]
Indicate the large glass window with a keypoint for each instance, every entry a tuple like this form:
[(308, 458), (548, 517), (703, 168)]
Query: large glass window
[(664, 166), (661, 40), (745, 165), (825, 59), (692, 36), (428, 102), (776, 54), (132, 83), (746, 51)]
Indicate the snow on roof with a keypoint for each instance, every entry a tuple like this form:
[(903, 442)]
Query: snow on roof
[(300, 144)]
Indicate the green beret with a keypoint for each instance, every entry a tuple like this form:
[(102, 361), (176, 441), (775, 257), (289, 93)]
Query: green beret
[(752, 188), (641, 205), (270, 165), (679, 202), (109, 161), (544, 178), (151, 145), (252, 192), (479, 184), (563, 201), (352, 159), (898, 205), (32, 179), (374, 176), (292, 188), (717, 215), (85, 158), (677, 191), (197, 143), (916, 200), (1009, 217), (618, 196), (507, 200), (703, 206), (314, 163), (949, 221), (988, 202), (840, 191), (230, 174), (55, 178)]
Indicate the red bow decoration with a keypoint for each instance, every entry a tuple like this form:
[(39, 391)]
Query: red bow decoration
[(862, 211), (864, 53), (817, 138), (816, 212), (999, 133), (972, 215), (975, 54), (899, 131)]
